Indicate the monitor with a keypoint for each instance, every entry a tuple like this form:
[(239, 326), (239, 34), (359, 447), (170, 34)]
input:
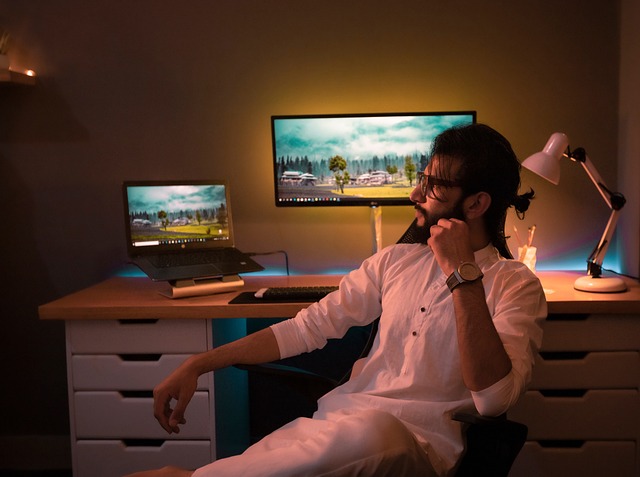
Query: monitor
[(354, 159)]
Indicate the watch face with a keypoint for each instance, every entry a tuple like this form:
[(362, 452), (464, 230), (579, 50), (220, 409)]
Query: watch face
[(469, 271)]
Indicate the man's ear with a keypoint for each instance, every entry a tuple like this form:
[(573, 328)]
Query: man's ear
[(476, 205)]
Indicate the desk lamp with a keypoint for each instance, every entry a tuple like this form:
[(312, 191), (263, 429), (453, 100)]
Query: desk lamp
[(547, 165)]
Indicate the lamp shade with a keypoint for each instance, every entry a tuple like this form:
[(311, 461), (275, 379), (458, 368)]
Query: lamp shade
[(547, 162)]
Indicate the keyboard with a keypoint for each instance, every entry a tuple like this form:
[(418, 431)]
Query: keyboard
[(308, 293), (196, 258)]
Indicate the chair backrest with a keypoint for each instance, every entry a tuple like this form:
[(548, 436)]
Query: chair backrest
[(411, 234)]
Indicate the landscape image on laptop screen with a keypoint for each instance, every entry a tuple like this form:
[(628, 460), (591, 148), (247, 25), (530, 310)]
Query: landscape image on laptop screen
[(177, 214), (356, 159)]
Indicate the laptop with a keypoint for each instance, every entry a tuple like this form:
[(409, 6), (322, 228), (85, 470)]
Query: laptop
[(182, 230)]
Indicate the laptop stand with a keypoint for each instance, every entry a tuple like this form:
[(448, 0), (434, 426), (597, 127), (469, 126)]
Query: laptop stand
[(203, 286)]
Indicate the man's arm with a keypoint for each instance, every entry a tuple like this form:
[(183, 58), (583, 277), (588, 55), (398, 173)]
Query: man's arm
[(483, 359), (259, 347)]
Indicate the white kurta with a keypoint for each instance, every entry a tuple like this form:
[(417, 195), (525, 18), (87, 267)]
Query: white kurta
[(413, 370), (394, 418)]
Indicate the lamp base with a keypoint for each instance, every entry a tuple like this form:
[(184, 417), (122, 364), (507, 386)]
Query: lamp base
[(600, 284)]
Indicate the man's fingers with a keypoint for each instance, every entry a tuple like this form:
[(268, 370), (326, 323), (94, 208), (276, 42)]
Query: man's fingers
[(162, 410), (180, 386), (177, 416)]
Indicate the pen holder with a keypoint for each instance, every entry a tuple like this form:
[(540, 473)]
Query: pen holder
[(527, 255)]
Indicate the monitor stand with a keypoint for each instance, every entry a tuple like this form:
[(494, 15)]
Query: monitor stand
[(203, 286), (376, 227)]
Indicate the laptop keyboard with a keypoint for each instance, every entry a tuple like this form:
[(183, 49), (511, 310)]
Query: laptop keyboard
[(196, 258)]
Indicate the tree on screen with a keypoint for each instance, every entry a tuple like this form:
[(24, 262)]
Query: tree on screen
[(409, 169), (338, 166)]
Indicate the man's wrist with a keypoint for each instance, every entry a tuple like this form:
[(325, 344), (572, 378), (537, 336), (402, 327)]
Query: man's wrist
[(466, 272)]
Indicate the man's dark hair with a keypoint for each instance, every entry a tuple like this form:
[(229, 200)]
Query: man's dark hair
[(487, 164)]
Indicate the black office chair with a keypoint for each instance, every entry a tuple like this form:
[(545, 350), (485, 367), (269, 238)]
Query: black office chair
[(295, 385)]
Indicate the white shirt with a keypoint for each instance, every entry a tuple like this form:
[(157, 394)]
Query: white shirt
[(413, 369)]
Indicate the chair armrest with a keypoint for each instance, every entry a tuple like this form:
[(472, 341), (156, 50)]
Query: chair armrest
[(492, 444)]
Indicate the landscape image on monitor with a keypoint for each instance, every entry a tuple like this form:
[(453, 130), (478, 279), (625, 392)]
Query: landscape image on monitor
[(361, 159), (170, 214)]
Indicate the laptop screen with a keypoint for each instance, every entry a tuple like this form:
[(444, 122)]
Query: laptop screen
[(173, 216)]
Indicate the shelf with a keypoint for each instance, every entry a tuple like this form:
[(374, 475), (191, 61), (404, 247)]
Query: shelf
[(16, 77)]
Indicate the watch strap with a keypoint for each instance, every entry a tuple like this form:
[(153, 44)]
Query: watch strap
[(454, 280)]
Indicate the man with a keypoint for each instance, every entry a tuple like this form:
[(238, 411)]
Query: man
[(459, 326)]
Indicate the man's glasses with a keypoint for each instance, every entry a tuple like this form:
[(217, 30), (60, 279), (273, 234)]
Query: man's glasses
[(428, 182)]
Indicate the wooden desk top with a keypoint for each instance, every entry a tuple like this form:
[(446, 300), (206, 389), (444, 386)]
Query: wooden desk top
[(563, 298), (140, 298)]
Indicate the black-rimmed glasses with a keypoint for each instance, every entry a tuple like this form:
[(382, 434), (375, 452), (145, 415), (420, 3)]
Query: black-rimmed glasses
[(428, 182)]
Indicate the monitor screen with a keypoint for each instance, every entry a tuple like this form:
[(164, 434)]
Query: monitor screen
[(354, 159), (175, 215)]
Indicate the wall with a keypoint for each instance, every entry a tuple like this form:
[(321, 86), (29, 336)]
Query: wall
[(166, 89), (628, 137)]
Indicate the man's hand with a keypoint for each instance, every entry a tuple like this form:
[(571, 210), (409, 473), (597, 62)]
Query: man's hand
[(258, 347), (451, 244), (179, 385)]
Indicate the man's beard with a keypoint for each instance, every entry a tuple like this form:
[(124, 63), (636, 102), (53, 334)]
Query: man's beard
[(423, 232)]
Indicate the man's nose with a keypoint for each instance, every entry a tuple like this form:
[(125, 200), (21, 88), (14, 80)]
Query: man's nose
[(417, 196)]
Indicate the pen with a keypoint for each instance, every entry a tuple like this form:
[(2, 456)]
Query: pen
[(515, 229), (532, 230)]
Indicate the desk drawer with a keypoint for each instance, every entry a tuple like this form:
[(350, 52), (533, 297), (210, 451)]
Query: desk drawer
[(125, 372), (111, 414), (591, 333), (599, 370), (589, 458), (137, 336), (593, 415), (115, 458)]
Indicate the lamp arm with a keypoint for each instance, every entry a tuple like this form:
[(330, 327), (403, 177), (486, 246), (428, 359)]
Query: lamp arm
[(614, 200), (594, 263)]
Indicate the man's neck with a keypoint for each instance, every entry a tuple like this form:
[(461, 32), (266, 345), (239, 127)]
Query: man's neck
[(478, 234)]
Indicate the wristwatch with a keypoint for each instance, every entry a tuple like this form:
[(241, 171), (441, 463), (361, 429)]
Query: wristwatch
[(467, 272)]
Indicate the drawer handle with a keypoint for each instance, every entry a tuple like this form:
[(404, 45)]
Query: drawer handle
[(563, 355), (563, 444), (140, 357), (563, 393), (136, 394), (137, 322), (143, 442)]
